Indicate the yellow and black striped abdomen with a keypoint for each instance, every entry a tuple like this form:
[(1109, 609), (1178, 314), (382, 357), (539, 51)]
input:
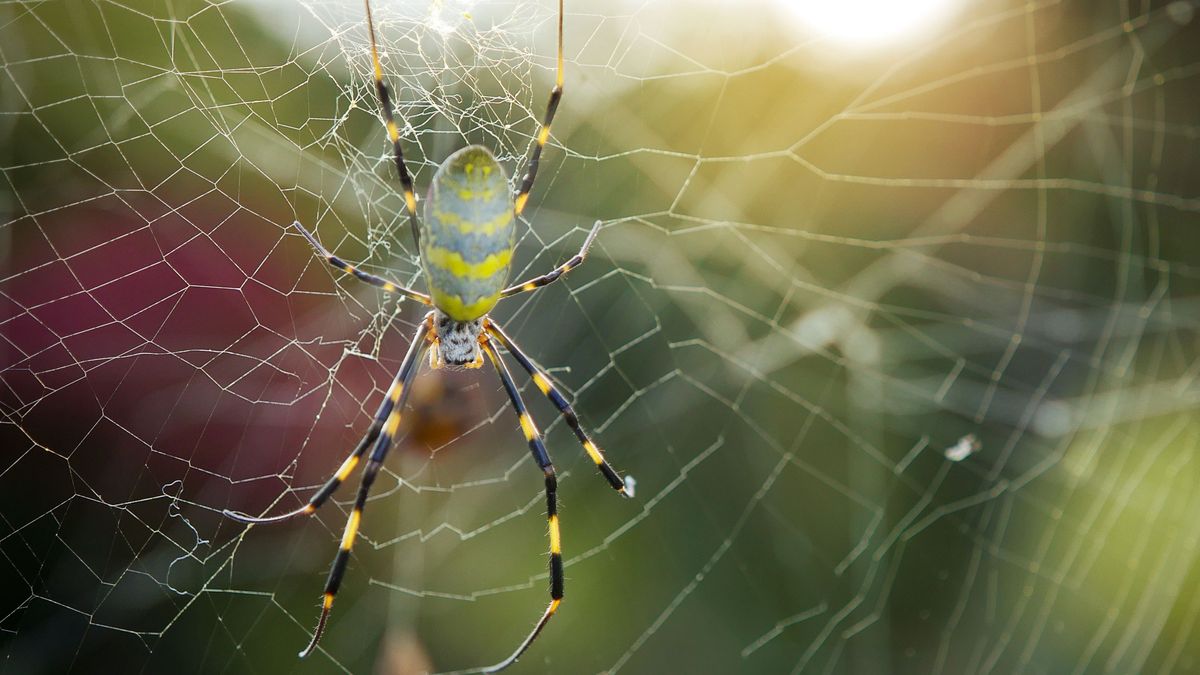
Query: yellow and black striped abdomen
[(468, 234)]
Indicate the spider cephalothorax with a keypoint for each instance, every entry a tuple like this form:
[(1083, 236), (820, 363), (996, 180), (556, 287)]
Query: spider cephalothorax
[(457, 342)]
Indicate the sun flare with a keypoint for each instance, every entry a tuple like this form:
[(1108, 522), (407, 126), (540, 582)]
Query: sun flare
[(869, 23)]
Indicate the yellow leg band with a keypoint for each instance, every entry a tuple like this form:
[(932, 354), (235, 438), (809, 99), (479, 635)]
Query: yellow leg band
[(347, 467), (351, 529), (527, 426), (555, 537), (593, 452), (393, 423)]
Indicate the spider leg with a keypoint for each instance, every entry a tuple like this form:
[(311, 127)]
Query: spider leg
[(408, 370), (553, 275), (535, 153), (625, 487), (385, 105), (385, 408), (543, 459), (334, 481), (388, 286)]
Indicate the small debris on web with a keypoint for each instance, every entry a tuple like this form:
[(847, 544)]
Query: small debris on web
[(964, 448)]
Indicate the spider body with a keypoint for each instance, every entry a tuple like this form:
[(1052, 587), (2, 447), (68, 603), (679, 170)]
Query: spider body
[(467, 236), (466, 248)]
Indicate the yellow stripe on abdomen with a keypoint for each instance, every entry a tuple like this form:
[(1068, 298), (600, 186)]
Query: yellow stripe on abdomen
[(454, 263), (455, 308), (486, 228)]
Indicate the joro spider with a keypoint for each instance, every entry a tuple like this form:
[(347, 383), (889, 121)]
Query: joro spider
[(469, 235)]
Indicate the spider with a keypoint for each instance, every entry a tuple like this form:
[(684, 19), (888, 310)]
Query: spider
[(466, 247)]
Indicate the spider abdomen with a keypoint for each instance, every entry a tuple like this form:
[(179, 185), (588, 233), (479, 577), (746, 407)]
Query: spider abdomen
[(468, 234)]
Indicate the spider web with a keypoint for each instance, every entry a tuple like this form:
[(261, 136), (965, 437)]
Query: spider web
[(901, 346)]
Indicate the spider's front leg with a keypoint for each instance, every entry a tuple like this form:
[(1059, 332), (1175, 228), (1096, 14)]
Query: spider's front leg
[(553, 275)]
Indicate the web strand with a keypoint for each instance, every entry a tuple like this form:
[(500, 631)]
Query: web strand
[(900, 346)]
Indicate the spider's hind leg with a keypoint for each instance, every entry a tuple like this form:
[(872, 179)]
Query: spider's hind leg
[(538, 449), (337, 570)]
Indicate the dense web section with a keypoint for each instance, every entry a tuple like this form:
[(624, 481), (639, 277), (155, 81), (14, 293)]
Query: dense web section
[(900, 345)]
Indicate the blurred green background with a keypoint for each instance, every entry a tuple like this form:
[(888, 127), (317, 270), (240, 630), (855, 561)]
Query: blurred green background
[(899, 341)]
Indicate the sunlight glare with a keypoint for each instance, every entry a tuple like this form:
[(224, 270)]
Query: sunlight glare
[(868, 23)]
